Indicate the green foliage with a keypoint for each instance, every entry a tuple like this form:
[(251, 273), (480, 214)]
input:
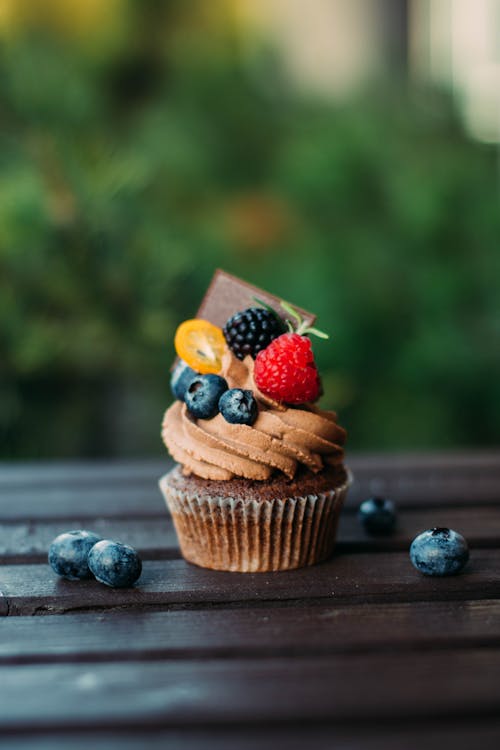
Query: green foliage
[(124, 184)]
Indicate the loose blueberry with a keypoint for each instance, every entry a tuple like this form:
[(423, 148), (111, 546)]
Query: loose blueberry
[(115, 564), (378, 515), (181, 378), (203, 394), (238, 406), (439, 552), (68, 554)]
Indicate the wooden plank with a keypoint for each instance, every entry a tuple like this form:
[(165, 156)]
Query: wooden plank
[(475, 463), (28, 541), (410, 735), (417, 461), (480, 526), (246, 633), (381, 577), (344, 687), (100, 489), (427, 478), (144, 499), (98, 471), (63, 502), (426, 490), (247, 648)]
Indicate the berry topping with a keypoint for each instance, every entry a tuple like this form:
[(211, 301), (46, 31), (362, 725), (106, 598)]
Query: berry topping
[(203, 394), (68, 554), (378, 515), (115, 564), (439, 552), (201, 345), (286, 370), (238, 406), (251, 330), (181, 377)]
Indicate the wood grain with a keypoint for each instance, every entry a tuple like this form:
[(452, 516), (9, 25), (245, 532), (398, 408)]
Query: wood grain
[(410, 735), (87, 502), (32, 490), (381, 577), (466, 463), (154, 538), (344, 687), (37, 474), (28, 542), (247, 633), (359, 653)]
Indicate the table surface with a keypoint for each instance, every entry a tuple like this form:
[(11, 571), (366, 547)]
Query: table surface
[(360, 652)]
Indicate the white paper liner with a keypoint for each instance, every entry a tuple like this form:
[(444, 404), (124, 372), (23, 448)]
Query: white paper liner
[(248, 535)]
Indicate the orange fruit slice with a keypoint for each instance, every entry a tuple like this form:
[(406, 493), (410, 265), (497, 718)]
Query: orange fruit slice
[(201, 345)]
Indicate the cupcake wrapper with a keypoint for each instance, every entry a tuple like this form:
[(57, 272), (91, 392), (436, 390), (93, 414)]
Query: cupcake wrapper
[(255, 535)]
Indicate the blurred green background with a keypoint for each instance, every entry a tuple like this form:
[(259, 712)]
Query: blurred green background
[(144, 144)]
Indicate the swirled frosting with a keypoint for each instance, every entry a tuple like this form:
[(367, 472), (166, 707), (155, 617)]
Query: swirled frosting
[(280, 440)]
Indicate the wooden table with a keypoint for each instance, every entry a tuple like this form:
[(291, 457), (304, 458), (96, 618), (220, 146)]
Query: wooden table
[(361, 652)]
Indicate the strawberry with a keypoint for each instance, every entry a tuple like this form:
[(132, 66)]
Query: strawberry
[(286, 371)]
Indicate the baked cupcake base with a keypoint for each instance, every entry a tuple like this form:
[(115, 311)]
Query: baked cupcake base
[(250, 526)]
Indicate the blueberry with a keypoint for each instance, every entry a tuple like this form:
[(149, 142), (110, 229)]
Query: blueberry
[(68, 554), (181, 378), (238, 406), (115, 564), (203, 394), (378, 515), (439, 552)]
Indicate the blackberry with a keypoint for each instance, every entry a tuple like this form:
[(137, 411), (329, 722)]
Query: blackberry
[(252, 330)]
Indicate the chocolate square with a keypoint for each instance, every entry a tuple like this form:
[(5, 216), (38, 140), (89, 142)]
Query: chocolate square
[(228, 294)]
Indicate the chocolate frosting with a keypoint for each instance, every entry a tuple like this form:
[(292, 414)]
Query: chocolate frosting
[(280, 440)]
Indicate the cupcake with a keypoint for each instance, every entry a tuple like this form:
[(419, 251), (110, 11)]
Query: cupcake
[(259, 480)]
